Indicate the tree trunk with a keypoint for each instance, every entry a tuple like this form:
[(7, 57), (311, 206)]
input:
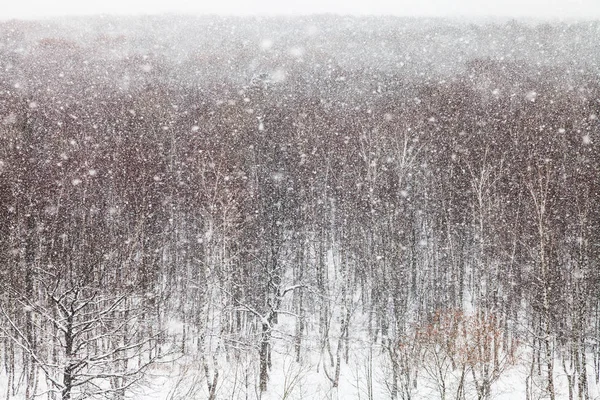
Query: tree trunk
[(264, 357)]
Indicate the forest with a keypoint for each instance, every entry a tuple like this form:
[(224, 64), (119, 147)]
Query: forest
[(312, 207)]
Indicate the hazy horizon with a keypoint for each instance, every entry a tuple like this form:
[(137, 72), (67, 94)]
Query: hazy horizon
[(536, 9)]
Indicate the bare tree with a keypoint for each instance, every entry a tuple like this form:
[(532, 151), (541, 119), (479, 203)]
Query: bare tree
[(97, 347)]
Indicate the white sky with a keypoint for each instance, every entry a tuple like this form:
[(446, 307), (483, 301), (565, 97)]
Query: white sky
[(473, 8)]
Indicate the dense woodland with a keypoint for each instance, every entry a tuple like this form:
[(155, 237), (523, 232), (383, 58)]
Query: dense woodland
[(212, 189)]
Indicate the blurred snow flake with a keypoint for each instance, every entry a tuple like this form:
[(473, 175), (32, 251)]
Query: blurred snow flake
[(266, 44), (277, 176), (586, 139), (296, 52), (278, 76), (531, 96), (51, 210), (11, 118)]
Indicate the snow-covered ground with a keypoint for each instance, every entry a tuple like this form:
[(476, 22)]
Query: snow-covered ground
[(366, 375)]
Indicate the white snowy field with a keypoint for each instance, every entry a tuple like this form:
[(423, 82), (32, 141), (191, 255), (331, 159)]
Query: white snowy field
[(367, 374)]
